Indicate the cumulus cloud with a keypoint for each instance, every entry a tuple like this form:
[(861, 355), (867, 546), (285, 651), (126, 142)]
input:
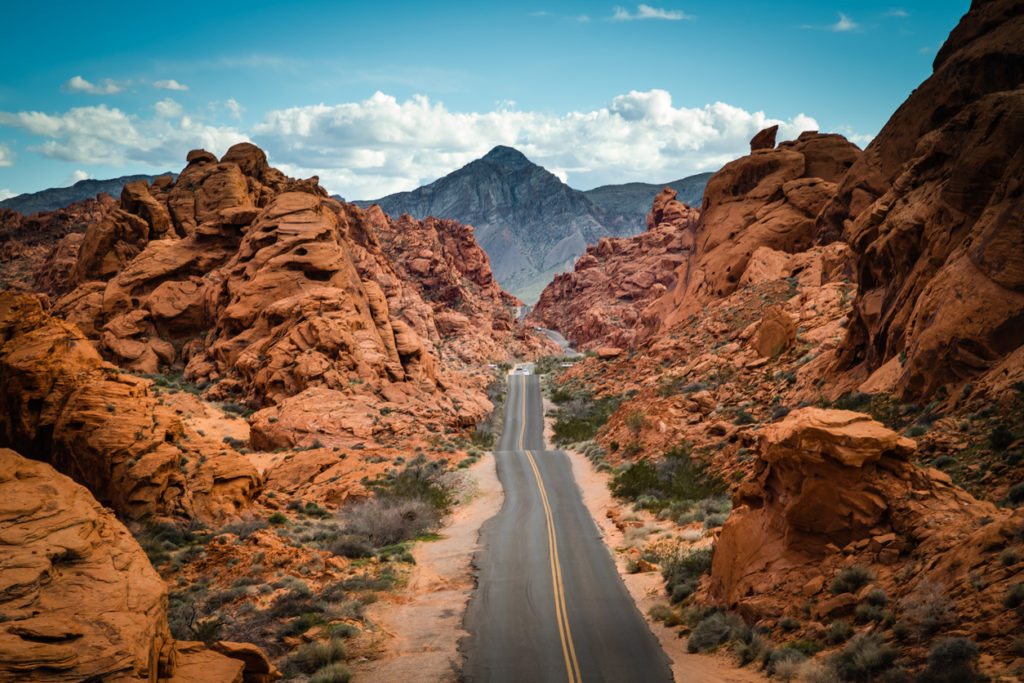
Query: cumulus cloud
[(168, 108), (648, 12), (169, 84), (102, 135), (234, 108), (6, 156), (6, 194), (378, 146), (79, 85), (76, 175), (844, 24)]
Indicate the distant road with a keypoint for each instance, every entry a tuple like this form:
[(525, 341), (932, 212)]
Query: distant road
[(549, 604), (560, 340)]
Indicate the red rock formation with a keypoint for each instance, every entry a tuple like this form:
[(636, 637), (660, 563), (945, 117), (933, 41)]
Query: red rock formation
[(770, 199), (60, 403), (78, 597), (829, 484), (602, 300), (934, 211)]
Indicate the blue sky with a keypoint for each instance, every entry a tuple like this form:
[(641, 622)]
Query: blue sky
[(378, 98)]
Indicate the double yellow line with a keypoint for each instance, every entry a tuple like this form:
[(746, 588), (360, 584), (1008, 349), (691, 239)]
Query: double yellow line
[(572, 667)]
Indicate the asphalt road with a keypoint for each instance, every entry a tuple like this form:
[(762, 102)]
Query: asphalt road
[(549, 604)]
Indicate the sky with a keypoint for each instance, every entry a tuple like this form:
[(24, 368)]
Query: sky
[(376, 98)]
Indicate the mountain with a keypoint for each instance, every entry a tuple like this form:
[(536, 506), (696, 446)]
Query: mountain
[(531, 224), (628, 204), (59, 197)]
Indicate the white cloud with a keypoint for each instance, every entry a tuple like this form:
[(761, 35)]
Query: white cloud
[(79, 85), (927, 50), (897, 12), (844, 24), (101, 135), (75, 176), (648, 12), (170, 84), (234, 108), (6, 156), (168, 108), (6, 194), (378, 146)]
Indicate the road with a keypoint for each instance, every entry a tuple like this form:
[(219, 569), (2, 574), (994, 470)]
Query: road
[(549, 604)]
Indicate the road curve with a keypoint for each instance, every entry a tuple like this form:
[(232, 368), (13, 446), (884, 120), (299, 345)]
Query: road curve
[(549, 604)]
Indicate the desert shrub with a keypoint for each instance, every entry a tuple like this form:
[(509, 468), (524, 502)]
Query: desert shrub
[(951, 661), (850, 580), (750, 648), (277, 519), (838, 632), (712, 631), (343, 631), (352, 547), (579, 418), (928, 608), (635, 420), (877, 597), (743, 418), (299, 625), (207, 630), (943, 462), (867, 612), (1014, 596), (419, 481), (788, 624), (901, 631), (1016, 494), (682, 571), (675, 477), (863, 658), (1000, 438), (312, 657), (386, 522), (786, 663), (808, 648), (333, 673), (816, 672), (664, 614), (716, 520), (1008, 557), (294, 603)]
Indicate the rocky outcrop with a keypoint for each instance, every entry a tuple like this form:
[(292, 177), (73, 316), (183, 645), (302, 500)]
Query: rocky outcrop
[(764, 139), (768, 199), (60, 403), (79, 599), (602, 300), (265, 287), (829, 484), (935, 213)]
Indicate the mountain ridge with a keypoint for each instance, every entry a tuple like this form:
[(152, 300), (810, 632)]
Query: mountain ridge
[(53, 198)]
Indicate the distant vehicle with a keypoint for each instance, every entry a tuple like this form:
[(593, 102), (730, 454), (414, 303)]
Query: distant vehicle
[(538, 328)]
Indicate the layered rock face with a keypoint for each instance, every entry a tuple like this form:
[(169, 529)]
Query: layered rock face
[(934, 208), (768, 199), (79, 599), (602, 300), (60, 403)]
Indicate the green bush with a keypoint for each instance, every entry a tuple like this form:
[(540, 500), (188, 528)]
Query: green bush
[(838, 632), (1000, 438), (675, 477), (333, 673), (1016, 494), (682, 571), (951, 661), (850, 580), (788, 624), (278, 519), (712, 631), (866, 613), (580, 418), (312, 657), (1014, 596), (864, 658)]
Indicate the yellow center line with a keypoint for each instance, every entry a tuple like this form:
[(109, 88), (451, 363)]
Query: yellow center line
[(561, 613)]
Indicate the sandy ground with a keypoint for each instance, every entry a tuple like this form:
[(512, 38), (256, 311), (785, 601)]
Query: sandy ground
[(422, 626)]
